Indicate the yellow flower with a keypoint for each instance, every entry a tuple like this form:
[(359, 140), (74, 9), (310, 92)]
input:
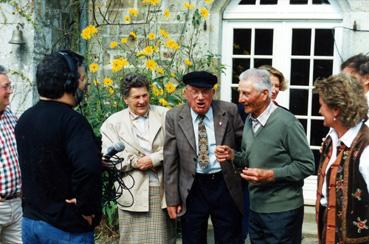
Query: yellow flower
[(155, 91), (172, 44), (216, 86), (127, 19), (173, 75), (118, 64), (148, 50), (107, 81), (164, 33), (133, 11), (152, 2), (151, 36), (113, 44), (188, 62), (124, 40), (160, 70), (188, 5), (209, 1), (163, 102), (204, 12), (89, 32), (170, 87), (94, 67), (156, 48), (111, 90), (166, 13), (96, 82), (151, 64), (132, 35)]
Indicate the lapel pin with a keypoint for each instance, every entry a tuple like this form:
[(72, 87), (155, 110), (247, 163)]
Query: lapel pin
[(220, 123)]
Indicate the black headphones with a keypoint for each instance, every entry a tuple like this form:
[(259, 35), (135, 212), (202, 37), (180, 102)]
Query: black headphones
[(71, 82)]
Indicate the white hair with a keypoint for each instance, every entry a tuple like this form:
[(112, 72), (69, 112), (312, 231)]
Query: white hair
[(259, 77)]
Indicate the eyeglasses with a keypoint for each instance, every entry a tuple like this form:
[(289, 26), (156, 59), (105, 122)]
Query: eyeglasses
[(204, 92), (7, 87)]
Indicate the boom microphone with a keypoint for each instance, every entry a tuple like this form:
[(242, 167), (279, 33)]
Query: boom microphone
[(113, 149)]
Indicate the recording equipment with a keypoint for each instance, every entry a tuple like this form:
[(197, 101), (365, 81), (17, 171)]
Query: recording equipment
[(113, 149), (71, 82)]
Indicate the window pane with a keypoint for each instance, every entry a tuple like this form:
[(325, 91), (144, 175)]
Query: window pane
[(235, 95), (268, 2), (242, 41), (322, 69), (298, 101), (304, 123), (317, 158), (244, 2), (315, 105), (300, 72), (324, 42), (320, 1), (239, 66), (301, 40), (264, 42), (298, 1), (262, 61), (318, 131)]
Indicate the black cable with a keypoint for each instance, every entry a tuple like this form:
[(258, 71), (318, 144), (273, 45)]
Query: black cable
[(114, 186)]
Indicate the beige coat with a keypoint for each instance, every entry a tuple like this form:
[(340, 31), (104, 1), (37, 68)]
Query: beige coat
[(118, 128)]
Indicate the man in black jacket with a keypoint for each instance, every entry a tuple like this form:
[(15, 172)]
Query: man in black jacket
[(59, 159)]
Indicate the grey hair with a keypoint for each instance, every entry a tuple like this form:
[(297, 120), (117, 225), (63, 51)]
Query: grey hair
[(3, 70), (260, 79)]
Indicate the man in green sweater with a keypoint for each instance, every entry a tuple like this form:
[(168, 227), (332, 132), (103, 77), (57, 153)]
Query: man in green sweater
[(275, 158)]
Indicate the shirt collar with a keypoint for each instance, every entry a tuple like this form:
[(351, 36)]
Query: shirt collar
[(348, 137), (208, 115), (264, 116), (134, 116)]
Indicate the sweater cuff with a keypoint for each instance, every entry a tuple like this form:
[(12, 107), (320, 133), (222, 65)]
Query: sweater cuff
[(279, 173)]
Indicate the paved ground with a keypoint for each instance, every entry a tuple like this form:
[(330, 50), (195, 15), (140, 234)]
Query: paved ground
[(306, 240)]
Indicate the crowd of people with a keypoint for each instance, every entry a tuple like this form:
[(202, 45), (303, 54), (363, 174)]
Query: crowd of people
[(241, 166)]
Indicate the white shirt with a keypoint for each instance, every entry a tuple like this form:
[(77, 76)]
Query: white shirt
[(346, 139)]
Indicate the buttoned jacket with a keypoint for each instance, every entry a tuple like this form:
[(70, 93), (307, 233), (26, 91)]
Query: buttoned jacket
[(180, 154)]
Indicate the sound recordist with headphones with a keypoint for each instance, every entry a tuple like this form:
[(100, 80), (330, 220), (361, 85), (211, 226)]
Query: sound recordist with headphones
[(59, 159)]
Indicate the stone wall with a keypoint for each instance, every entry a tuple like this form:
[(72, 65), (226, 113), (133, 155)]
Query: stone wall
[(48, 25)]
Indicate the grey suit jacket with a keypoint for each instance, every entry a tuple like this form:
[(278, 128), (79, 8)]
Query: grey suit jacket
[(180, 151)]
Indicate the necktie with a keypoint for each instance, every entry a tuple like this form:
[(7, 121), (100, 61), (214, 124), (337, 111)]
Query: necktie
[(203, 144)]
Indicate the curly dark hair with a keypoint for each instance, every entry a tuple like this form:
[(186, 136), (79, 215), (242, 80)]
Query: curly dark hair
[(345, 93), (133, 80), (52, 72)]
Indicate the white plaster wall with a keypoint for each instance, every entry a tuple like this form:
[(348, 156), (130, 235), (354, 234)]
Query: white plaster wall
[(355, 42)]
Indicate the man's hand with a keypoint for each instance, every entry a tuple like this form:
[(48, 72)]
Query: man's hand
[(173, 211), (224, 153), (88, 218), (144, 163), (257, 176)]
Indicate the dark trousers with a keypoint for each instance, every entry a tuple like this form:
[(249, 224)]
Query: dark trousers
[(246, 207), (209, 196), (272, 228)]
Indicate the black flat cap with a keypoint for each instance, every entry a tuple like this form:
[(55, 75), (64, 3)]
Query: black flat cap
[(200, 79)]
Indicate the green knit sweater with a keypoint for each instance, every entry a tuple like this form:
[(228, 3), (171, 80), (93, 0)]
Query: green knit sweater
[(280, 145)]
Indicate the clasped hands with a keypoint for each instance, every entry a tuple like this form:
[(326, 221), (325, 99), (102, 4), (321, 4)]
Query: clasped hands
[(252, 175)]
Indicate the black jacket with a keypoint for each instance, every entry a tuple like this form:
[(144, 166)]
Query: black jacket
[(59, 160)]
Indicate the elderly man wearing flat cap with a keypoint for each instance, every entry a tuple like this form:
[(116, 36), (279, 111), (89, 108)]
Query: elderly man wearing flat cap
[(196, 184)]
